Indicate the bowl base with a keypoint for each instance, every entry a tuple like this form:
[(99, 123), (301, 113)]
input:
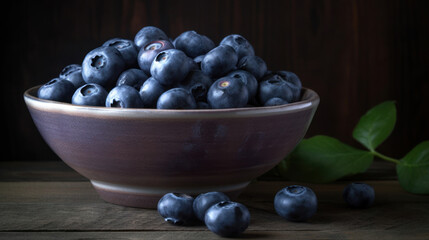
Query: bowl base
[(148, 197)]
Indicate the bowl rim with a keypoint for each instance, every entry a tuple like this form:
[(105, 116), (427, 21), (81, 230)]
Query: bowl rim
[(310, 99)]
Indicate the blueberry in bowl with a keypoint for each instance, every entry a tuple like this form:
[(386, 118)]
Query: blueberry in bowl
[(57, 89), (73, 73), (149, 34), (171, 66), (193, 43), (127, 48), (103, 66), (148, 53), (90, 94)]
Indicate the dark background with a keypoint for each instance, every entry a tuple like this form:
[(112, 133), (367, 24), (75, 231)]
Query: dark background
[(355, 54)]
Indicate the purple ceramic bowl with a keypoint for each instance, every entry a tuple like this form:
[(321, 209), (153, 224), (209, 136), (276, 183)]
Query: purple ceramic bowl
[(134, 156)]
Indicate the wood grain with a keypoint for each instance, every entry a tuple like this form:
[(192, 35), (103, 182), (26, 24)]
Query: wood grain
[(69, 208), (355, 53)]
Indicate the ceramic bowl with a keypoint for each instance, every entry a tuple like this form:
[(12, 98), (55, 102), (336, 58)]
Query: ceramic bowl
[(134, 156)]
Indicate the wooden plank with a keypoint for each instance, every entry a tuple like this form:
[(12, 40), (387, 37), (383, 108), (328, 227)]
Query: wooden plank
[(207, 235), (39, 171), (74, 206)]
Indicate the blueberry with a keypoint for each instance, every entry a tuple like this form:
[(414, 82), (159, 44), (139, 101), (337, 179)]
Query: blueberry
[(248, 79), (205, 200), (176, 208), (124, 96), (292, 82), (253, 64), (148, 53), (57, 89), (150, 92), (103, 66), (193, 44), (73, 73), (176, 98), (240, 45), (295, 203), (149, 34), (127, 48), (203, 105), (276, 86), (197, 83), (359, 195), (275, 101), (90, 94), (219, 61), (132, 77), (228, 92), (227, 219), (198, 60), (171, 66)]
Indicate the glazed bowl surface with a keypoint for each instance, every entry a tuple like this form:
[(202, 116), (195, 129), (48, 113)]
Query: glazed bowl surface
[(134, 156)]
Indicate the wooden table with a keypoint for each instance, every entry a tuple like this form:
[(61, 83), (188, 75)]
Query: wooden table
[(48, 200)]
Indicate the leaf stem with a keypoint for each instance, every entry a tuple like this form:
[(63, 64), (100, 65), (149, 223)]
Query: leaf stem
[(384, 157)]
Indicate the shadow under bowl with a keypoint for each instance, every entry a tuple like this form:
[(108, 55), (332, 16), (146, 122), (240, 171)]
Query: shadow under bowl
[(134, 156)]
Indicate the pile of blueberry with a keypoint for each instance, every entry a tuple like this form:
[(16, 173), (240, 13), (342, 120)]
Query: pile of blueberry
[(189, 72), (229, 219)]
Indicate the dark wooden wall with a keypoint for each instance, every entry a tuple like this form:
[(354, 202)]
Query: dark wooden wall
[(354, 53)]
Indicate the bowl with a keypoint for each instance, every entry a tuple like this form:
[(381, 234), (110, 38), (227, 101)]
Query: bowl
[(134, 156)]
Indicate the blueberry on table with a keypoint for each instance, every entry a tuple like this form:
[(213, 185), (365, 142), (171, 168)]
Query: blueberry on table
[(197, 83), (295, 203), (240, 45), (150, 92), (228, 92), (176, 98), (148, 53), (219, 61), (176, 208), (127, 48), (124, 96), (205, 200), (149, 34), (171, 66), (248, 79), (193, 43), (73, 73), (103, 66), (57, 89), (133, 77), (359, 195), (227, 218), (253, 64), (90, 94)]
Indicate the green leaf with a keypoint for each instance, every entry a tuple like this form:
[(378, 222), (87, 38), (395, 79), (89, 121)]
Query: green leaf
[(322, 159), (376, 125), (413, 169)]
